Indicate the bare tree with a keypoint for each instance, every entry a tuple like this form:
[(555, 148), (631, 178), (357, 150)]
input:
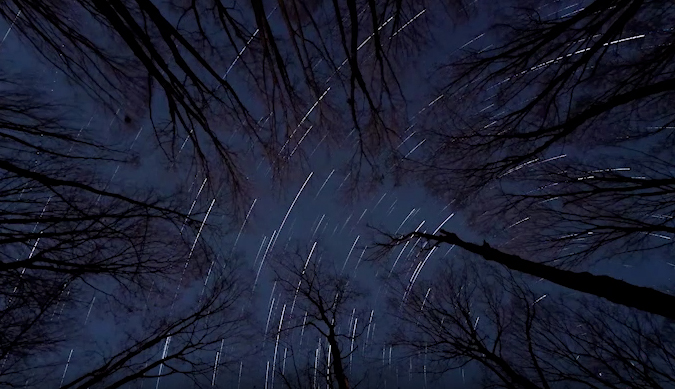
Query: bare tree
[(471, 315), (187, 342), (557, 78), (553, 135), (149, 333), (65, 230), (571, 213), (615, 290), (67, 227), (270, 72), (323, 301), (558, 125), (555, 142)]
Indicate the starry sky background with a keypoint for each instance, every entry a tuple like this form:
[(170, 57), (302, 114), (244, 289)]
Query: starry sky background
[(323, 212)]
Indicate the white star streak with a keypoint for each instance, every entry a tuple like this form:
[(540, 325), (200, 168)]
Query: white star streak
[(276, 344), (309, 112), (408, 23), (313, 106), (304, 269), (403, 222), (443, 223), (302, 331), (360, 258), (361, 217), (215, 364), (406, 139), (66, 368), (269, 315), (193, 204), (518, 222), (316, 362), (317, 226), (201, 227), (262, 261), (166, 349), (291, 207), (91, 305), (324, 183), (425, 299), (242, 226), (414, 148), (10, 27), (379, 201), (349, 254), (398, 257), (283, 364), (417, 271)]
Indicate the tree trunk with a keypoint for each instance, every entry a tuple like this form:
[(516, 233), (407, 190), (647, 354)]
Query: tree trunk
[(340, 375), (616, 291)]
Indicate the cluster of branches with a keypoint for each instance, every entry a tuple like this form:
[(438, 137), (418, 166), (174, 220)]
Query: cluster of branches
[(525, 126), (482, 316), (555, 138), (268, 71), (321, 300), (63, 231), (562, 126), (214, 74)]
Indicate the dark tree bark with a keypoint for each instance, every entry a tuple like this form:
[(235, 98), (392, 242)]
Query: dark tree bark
[(320, 292), (557, 136), (294, 63), (482, 315), (616, 291)]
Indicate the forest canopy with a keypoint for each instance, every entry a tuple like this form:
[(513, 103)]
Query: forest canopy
[(218, 193)]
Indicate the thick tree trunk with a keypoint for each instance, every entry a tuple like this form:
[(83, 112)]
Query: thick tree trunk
[(616, 291), (340, 375)]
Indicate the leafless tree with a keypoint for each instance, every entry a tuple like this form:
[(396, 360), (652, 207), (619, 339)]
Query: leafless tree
[(149, 334), (615, 290), (325, 301), (255, 73), (471, 315), (558, 79), (67, 227), (296, 369), (553, 136), (177, 338), (64, 227), (557, 122), (580, 213)]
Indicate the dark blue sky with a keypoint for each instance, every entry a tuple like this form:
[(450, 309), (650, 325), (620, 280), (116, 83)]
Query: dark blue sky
[(322, 212), (342, 233)]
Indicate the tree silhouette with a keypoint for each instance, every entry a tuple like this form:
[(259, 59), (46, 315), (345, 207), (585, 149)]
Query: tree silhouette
[(553, 137), (591, 79), (471, 314), (322, 299), (555, 141), (191, 337), (66, 228), (559, 131), (612, 289), (271, 72)]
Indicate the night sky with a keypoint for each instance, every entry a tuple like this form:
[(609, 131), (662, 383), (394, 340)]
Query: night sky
[(314, 203)]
